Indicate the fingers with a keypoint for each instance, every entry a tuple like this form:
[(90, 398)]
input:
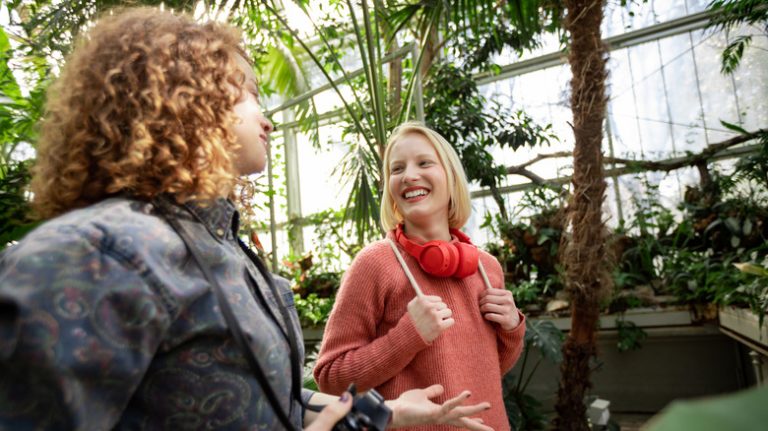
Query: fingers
[(434, 391), (474, 424), (497, 296), (495, 308), (464, 411), (493, 317), (455, 401), (455, 413), (332, 413), (444, 313)]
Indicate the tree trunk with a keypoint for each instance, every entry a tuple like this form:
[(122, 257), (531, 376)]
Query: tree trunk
[(586, 274)]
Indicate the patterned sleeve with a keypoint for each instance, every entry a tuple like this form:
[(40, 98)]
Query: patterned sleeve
[(83, 328)]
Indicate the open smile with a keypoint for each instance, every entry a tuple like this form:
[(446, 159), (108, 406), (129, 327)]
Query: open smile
[(415, 194)]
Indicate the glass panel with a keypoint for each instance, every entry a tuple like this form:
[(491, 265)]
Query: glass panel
[(652, 114), (716, 89), (621, 107), (682, 91)]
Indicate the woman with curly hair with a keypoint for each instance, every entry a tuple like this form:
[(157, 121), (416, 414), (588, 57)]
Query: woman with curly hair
[(136, 306)]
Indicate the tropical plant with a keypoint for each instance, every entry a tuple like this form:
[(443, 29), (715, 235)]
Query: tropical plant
[(19, 114), (544, 341), (366, 107), (730, 14), (755, 291), (462, 115), (474, 30)]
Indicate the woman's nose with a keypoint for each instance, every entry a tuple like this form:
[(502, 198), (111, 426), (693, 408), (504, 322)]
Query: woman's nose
[(410, 175), (267, 125)]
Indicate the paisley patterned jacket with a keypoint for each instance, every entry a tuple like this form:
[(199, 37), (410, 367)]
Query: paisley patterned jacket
[(107, 322)]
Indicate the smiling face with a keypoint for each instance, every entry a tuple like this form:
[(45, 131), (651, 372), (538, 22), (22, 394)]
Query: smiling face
[(253, 129), (418, 183)]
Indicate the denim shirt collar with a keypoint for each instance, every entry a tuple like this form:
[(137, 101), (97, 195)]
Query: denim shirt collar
[(219, 216)]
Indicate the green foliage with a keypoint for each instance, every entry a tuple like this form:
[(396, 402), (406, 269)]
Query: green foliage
[(309, 365), (474, 30), (523, 410), (474, 126), (755, 291), (745, 408), (19, 115), (631, 336), (754, 167), (15, 219), (367, 112), (313, 310), (529, 248), (730, 14), (314, 285), (316, 276)]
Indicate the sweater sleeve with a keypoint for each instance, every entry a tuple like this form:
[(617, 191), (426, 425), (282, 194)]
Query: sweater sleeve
[(510, 343), (351, 350)]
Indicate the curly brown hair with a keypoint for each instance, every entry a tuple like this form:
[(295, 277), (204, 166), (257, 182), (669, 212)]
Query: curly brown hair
[(143, 106)]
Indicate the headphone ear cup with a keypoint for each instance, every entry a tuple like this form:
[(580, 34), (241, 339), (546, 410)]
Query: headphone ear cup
[(467, 260), (439, 258)]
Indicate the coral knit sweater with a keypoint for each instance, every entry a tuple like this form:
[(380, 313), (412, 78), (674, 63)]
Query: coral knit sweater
[(371, 340)]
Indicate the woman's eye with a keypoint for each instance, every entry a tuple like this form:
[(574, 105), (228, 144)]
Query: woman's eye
[(396, 170), (425, 163)]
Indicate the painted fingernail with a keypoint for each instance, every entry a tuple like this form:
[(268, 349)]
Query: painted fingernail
[(344, 397)]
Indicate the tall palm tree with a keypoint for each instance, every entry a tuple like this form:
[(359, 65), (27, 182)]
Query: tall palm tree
[(584, 253)]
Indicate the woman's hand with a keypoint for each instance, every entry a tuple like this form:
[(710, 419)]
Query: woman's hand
[(331, 413), (430, 315), (498, 305), (415, 408)]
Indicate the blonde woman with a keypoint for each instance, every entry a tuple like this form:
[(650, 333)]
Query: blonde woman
[(136, 306), (432, 318)]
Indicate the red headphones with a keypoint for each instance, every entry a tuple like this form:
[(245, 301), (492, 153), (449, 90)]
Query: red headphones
[(442, 258)]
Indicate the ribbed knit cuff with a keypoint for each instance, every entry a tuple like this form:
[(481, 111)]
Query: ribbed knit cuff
[(521, 316), (405, 338), (513, 336)]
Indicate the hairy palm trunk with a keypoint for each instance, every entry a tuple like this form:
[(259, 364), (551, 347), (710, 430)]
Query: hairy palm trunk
[(584, 252)]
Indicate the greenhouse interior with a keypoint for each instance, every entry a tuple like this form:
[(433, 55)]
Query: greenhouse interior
[(615, 158)]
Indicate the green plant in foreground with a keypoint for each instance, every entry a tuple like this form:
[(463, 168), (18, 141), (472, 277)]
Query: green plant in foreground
[(524, 411)]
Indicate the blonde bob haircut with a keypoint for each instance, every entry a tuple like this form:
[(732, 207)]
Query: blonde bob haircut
[(460, 206), (143, 106)]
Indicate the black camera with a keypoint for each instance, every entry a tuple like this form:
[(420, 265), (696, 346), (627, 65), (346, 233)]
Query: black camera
[(368, 412)]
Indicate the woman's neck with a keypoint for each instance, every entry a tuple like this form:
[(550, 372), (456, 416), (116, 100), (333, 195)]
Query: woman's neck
[(428, 231)]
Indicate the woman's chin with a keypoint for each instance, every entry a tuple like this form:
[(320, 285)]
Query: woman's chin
[(245, 171)]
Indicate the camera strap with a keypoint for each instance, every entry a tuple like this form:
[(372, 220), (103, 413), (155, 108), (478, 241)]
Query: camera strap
[(241, 339)]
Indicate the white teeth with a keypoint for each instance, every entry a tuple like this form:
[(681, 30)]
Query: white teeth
[(414, 193)]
